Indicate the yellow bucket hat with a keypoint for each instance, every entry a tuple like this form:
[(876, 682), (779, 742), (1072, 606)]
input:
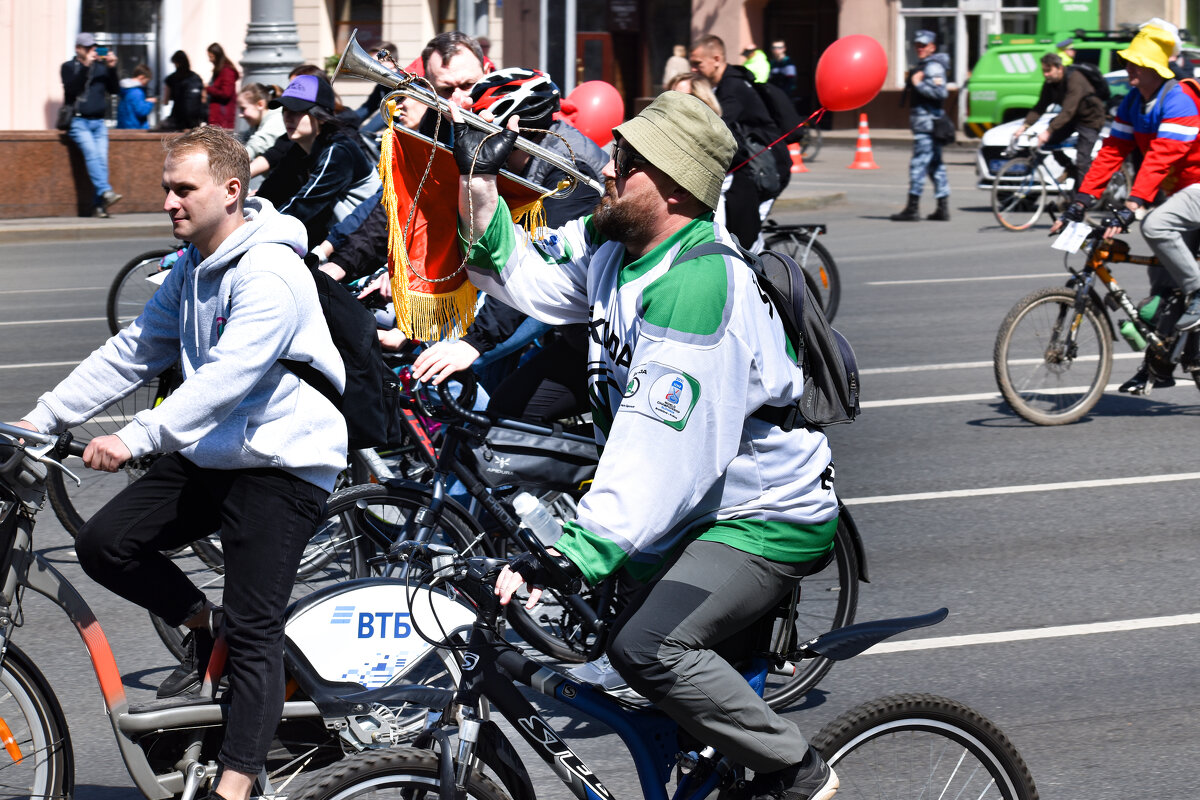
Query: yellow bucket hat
[(1153, 47)]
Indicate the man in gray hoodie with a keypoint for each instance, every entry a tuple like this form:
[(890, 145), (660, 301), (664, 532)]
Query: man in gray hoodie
[(250, 449)]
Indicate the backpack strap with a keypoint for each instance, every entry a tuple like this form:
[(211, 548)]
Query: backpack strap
[(304, 370), (781, 416)]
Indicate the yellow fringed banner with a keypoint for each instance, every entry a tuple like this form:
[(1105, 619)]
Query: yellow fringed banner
[(430, 291)]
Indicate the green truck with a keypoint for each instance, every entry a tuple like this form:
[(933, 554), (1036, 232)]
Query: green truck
[(1007, 79)]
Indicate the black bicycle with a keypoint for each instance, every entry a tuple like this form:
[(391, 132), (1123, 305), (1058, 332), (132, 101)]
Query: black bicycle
[(494, 459), (903, 747)]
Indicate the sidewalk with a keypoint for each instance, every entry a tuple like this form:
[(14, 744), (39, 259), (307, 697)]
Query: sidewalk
[(134, 226)]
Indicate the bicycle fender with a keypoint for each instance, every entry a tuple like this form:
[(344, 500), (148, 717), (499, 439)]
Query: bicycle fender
[(497, 752), (859, 550)]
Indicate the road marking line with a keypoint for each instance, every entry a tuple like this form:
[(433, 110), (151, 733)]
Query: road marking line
[(966, 280), (55, 321), (55, 290), (41, 364), (978, 364), (1028, 634), (988, 491)]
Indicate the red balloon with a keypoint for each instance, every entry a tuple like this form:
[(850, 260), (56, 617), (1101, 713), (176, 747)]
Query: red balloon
[(850, 73), (598, 108)]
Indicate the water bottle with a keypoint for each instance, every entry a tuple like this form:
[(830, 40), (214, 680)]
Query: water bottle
[(537, 518), (1133, 335)]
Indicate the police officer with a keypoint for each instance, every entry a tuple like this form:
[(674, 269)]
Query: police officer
[(926, 89)]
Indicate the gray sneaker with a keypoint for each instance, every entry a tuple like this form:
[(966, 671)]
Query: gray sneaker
[(109, 199), (1190, 318)]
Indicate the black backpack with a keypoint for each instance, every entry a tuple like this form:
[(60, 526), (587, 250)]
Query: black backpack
[(831, 383), (192, 108), (1095, 78), (783, 112), (364, 404)]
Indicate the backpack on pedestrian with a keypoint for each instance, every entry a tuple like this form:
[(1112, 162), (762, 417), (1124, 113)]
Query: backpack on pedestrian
[(192, 108), (367, 402), (831, 380)]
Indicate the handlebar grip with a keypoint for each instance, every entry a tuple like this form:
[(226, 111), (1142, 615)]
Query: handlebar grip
[(67, 445), (468, 381)]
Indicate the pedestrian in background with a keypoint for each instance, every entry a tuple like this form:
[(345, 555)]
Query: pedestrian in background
[(222, 92), (677, 65), (88, 79), (133, 110), (755, 60), (184, 90), (926, 91), (783, 69)]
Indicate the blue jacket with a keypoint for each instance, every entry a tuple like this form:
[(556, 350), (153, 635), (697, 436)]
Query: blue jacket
[(133, 109), (928, 97)]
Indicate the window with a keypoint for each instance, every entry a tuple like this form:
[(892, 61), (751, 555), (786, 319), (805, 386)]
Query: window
[(366, 15)]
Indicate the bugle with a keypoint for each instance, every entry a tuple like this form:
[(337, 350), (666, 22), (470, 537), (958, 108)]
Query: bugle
[(356, 62)]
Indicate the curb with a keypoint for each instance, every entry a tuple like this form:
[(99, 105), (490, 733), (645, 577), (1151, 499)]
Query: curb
[(807, 202), (71, 230)]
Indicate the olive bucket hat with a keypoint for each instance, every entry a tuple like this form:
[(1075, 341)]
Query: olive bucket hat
[(681, 136)]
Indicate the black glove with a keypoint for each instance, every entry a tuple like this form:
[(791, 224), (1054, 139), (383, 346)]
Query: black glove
[(480, 153), (1120, 218), (564, 577), (1075, 212)]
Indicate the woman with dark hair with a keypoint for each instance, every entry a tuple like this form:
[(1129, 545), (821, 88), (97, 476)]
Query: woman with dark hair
[(325, 174), (184, 90), (222, 92)]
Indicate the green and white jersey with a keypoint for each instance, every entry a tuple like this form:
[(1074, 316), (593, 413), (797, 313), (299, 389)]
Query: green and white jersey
[(679, 359)]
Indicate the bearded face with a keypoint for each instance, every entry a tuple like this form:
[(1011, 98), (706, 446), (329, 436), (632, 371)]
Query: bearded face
[(628, 218)]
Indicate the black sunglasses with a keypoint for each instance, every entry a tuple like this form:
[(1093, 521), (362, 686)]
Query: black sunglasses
[(626, 160)]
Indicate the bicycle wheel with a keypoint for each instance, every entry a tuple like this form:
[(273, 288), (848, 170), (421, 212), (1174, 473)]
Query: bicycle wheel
[(73, 506), (1047, 379), (130, 290), (398, 773), (810, 142), (828, 600), (39, 761), (817, 263), (907, 747), (1018, 194), (359, 522)]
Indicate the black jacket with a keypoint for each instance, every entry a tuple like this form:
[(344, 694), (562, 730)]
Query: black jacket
[(93, 104)]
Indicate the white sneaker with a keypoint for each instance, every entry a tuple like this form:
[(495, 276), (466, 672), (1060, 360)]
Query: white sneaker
[(598, 673)]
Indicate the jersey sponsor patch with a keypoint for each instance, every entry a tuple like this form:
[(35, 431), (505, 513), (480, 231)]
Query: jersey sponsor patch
[(661, 392), (553, 249)]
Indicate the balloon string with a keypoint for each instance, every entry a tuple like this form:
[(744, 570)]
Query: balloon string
[(813, 119)]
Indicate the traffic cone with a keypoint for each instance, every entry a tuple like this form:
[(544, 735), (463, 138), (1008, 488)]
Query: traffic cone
[(862, 153), (797, 161)]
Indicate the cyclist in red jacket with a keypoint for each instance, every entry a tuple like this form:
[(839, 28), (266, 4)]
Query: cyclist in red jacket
[(1161, 119)]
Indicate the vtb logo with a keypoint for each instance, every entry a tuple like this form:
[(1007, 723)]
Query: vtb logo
[(375, 624)]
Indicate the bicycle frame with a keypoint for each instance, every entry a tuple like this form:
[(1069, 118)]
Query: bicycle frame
[(490, 668)]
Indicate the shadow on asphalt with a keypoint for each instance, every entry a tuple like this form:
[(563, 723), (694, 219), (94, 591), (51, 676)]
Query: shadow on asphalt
[(1110, 404)]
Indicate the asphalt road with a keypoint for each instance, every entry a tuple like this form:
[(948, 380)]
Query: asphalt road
[(960, 502)]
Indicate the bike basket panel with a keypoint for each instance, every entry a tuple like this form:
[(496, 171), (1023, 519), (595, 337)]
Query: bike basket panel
[(510, 457)]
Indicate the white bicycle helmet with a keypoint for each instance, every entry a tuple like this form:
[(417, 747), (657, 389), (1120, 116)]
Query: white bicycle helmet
[(528, 93)]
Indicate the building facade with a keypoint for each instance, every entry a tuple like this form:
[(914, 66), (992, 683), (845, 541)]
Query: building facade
[(623, 42)]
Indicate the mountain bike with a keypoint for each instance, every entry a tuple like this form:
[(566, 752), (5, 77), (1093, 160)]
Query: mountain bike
[(494, 459), (1054, 350), (800, 242), (1022, 188), (905, 746), (358, 678)]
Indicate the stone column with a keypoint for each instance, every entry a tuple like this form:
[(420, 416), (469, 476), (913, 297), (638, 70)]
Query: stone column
[(272, 43)]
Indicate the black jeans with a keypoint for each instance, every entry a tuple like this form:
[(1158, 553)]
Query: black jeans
[(1083, 147), (266, 516)]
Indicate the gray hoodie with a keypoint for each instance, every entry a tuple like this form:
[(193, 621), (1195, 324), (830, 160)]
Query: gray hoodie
[(228, 319)]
